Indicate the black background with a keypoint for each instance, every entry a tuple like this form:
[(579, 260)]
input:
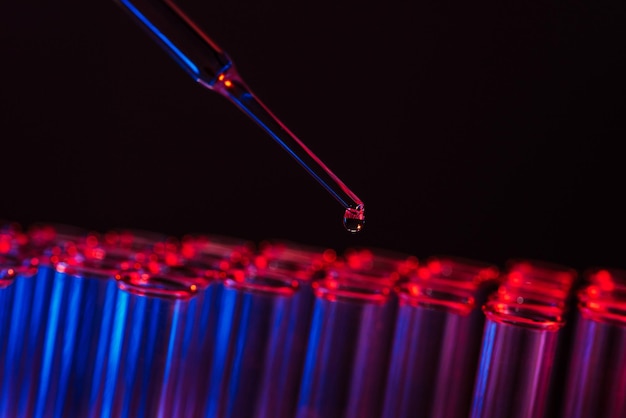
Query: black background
[(488, 131)]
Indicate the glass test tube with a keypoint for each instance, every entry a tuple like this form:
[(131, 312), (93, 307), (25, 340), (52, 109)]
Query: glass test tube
[(13, 274), (517, 358), (306, 264), (7, 290), (211, 256), (596, 378), (263, 321), (145, 356), (349, 344), (437, 339), (197, 345), (78, 328), (531, 281), (30, 309)]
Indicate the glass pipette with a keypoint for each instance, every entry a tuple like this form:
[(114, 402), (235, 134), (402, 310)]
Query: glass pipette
[(211, 67)]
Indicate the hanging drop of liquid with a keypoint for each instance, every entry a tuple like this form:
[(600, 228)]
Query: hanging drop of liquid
[(354, 218)]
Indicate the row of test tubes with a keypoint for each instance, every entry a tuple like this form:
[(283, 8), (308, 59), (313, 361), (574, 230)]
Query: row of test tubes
[(139, 324)]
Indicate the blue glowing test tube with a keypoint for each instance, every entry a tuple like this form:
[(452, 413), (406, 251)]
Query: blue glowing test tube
[(349, 345), (437, 339), (77, 331), (7, 290), (263, 321), (306, 264), (517, 360), (31, 305), (146, 352)]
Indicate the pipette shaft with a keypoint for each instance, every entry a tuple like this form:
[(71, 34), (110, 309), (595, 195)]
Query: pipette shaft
[(211, 67)]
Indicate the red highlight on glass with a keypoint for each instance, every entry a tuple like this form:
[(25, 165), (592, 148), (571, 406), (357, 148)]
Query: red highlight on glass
[(596, 378)]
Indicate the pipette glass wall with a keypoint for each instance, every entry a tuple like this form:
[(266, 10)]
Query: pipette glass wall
[(211, 67)]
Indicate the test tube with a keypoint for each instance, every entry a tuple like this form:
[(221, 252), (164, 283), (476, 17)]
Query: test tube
[(146, 354), (198, 341), (7, 290), (596, 378), (437, 339), (349, 344), (516, 362), (78, 330), (263, 321), (306, 264), (531, 281), (13, 274), (212, 256), (30, 309)]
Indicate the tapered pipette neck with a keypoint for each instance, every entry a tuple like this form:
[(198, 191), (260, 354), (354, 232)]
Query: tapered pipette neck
[(211, 67)]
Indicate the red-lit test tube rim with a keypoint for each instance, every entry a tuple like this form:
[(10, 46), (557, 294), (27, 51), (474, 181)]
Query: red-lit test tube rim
[(379, 261), (217, 244), (543, 282), (14, 250), (461, 269), (305, 263), (605, 277), (603, 299), (543, 272), (262, 281), (192, 275), (532, 316), (42, 234), (217, 251), (609, 310), (448, 283), (86, 259), (12, 239), (134, 239), (438, 295), (85, 271), (342, 284), (513, 280), (531, 294), (159, 285)]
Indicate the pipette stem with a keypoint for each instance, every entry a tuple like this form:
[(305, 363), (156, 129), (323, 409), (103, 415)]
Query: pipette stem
[(211, 67)]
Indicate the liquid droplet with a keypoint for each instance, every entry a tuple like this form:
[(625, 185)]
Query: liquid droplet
[(354, 218)]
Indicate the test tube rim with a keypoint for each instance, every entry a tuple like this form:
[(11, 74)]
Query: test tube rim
[(465, 303), (262, 282), (172, 287), (544, 318)]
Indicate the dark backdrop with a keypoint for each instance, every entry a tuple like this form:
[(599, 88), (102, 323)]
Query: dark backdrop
[(488, 131)]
